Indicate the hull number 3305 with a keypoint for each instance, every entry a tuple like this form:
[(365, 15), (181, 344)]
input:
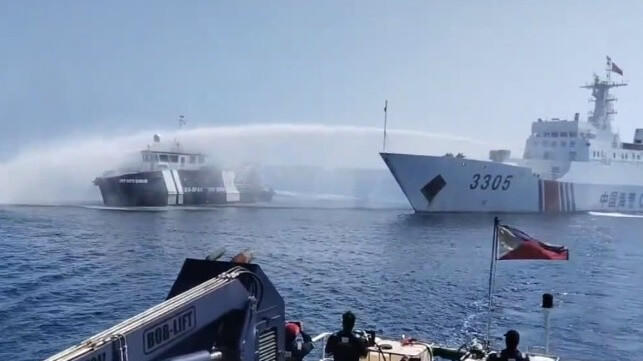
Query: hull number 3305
[(488, 181)]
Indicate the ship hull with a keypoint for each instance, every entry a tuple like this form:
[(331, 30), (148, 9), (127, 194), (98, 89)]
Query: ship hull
[(448, 184), (177, 188)]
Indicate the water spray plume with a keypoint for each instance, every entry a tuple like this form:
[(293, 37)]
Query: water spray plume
[(63, 172)]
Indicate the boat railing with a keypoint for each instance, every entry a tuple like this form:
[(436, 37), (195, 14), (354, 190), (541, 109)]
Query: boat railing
[(379, 352), (536, 349), (321, 339)]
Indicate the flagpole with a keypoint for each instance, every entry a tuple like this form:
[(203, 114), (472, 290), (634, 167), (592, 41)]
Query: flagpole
[(384, 141), (492, 273)]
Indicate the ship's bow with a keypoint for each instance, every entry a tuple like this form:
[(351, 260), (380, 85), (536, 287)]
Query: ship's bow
[(452, 184)]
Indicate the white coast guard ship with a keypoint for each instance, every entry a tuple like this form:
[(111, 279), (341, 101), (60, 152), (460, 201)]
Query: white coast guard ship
[(567, 166)]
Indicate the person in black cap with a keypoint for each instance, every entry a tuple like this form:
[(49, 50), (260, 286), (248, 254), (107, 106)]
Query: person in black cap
[(511, 352), (344, 345)]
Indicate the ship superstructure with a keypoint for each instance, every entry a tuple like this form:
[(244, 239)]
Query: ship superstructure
[(167, 175), (567, 165)]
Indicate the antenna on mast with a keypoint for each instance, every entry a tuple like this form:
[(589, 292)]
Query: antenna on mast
[(181, 124), (384, 140), (602, 115)]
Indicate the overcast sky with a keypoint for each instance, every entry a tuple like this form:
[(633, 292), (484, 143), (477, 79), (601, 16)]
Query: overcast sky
[(481, 69)]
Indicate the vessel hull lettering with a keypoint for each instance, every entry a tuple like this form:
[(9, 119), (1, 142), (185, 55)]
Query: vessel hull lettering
[(481, 186), (178, 187)]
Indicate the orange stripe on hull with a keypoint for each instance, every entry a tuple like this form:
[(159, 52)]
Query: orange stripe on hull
[(552, 196)]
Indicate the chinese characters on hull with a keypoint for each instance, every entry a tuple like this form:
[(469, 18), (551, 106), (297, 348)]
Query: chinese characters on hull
[(621, 200)]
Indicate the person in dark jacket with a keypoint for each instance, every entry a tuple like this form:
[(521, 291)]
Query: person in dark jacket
[(298, 343), (511, 352), (344, 345)]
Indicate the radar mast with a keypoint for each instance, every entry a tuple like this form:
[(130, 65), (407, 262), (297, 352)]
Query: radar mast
[(182, 122), (603, 114)]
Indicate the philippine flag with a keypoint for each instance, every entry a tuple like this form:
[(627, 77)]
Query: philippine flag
[(514, 244)]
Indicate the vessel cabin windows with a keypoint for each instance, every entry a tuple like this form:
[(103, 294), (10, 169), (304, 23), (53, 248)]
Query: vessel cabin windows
[(174, 158), (563, 134), (572, 155), (572, 134), (150, 157), (546, 134), (192, 159), (182, 160), (164, 158), (554, 134)]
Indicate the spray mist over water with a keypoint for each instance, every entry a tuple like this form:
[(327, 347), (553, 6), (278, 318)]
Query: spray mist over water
[(64, 172)]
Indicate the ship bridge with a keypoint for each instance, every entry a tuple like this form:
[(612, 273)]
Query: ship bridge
[(559, 140), (569, 141), (554, 144), (159, 160), (159, 157)]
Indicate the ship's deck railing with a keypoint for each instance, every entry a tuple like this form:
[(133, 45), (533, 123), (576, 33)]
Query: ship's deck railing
[(321, 339), (382, 354)]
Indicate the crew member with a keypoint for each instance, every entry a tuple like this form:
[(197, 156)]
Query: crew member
[(344, 345), (511, 352), (298, 343)]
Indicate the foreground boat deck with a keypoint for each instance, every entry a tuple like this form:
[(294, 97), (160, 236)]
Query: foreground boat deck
[(395, 350)]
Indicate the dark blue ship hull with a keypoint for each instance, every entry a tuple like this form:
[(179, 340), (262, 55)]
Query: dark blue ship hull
[(205, 186)]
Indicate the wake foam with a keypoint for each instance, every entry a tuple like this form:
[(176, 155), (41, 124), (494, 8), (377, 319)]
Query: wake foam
[(63, 171), (616, 214)]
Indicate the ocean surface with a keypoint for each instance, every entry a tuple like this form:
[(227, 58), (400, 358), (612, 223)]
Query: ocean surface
[(68, 272)]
